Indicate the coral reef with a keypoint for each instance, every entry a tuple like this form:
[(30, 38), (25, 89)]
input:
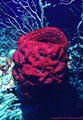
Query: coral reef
[(6, 66), (24, 15), (8, 39), (40, 58), (75, 63), (8, 108), (9, 102), (22, 18), (75, 66), (18, 18)]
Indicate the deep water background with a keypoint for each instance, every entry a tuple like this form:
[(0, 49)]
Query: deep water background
[(62, 17), (66, 18)]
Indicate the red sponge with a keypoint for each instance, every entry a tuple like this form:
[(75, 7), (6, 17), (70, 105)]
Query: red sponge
[(40, 57)]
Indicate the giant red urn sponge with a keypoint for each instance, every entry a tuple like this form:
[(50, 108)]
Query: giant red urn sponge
[(41, 58)]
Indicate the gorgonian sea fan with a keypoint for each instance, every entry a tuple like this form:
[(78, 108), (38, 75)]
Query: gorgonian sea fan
[(40, 58)]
